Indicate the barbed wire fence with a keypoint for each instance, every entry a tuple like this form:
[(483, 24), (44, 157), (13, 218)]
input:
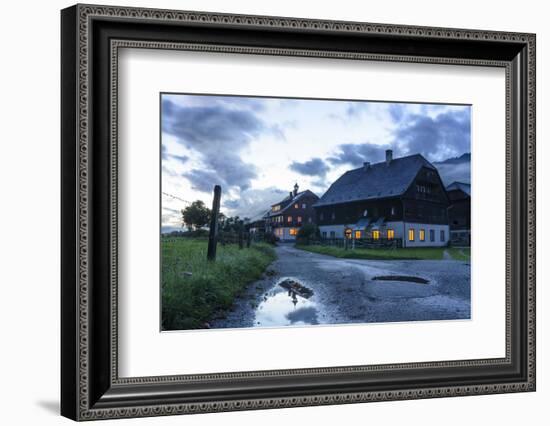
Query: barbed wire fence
[(181, 200)]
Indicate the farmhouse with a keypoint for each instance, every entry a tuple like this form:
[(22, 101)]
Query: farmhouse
[(402, 199), (459, 213), (286, 217)]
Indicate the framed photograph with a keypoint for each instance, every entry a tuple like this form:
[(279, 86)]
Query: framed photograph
[(263, 212)]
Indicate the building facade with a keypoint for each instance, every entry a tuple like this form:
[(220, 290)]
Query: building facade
[(459, 213), (285, 218), (399, 199)]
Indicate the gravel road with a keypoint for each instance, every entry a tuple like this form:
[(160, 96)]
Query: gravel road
[(345, 291)]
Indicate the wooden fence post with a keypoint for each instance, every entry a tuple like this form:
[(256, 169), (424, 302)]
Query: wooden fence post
[(241, 235), (213, 236), (248, 239)]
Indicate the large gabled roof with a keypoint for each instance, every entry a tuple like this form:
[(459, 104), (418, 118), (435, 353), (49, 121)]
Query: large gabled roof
[(286, 202), (464, 187), (380, 180)]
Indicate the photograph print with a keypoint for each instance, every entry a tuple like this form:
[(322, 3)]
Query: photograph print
[(281, 212)]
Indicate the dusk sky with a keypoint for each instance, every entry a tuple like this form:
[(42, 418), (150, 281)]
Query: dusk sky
[(258, 148)]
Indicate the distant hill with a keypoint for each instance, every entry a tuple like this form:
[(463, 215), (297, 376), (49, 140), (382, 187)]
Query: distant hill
[(455, 169)]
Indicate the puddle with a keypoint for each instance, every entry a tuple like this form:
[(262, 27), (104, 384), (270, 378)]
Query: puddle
[(401, 278), (287, 303)]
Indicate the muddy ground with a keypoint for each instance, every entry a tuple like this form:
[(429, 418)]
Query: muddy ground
[(343, 291)]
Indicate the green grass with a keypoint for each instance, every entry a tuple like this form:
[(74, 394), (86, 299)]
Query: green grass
[(428, 253), (459, 253), (193, 289)]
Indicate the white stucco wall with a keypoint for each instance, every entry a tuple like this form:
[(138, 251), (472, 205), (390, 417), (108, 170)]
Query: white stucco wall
[(285, 236), (401, 231), (426, 227)]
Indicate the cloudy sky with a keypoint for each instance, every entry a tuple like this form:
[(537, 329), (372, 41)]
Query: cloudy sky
[(258, 148)]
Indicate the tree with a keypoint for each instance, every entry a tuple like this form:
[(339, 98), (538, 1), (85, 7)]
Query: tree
[(308, 232), (196, 215)]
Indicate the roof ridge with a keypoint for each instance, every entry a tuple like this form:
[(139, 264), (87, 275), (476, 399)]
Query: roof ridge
[(395, 159)]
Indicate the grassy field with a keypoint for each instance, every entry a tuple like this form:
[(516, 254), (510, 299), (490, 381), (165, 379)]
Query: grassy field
[(428, 253), (459, 253), (193, 288)]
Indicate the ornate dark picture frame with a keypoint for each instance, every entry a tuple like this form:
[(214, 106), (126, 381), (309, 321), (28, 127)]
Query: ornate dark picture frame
[(91, 37)]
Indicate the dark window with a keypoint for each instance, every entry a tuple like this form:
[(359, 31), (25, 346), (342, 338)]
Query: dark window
[(442, 235), (432, 235), (321, 216), (333, 216)]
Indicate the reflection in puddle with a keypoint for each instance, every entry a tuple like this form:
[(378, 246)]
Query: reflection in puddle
[(286, 305), (402, 278)]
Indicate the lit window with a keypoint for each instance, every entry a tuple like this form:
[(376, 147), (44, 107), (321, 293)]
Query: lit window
[(333, 216), (391, 234), (289, 219), (296, 205), (393, 211), (411, 234), (348, 233), (357, 235), (422, 235), (376, 234), (365, 213), (304, 205), (293, 231), (299, 219)]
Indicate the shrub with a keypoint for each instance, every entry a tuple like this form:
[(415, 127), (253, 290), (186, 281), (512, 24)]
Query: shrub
[(271, 238), (307, 233)]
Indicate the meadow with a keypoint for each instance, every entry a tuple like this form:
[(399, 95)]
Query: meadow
[(195, 289)]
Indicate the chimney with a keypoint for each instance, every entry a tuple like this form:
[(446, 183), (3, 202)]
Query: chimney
[(389, 156), (366, 165), (291, 194), (296, 189)]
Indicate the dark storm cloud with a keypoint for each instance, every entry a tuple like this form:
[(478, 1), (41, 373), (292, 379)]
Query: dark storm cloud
[(436, 138), (313, 167), (253, 202), (199, 124), (217, 134), (203, 180), (180, 158), (455, 169), (228, 172), (397, 111), (166, 156), (357, 154)]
